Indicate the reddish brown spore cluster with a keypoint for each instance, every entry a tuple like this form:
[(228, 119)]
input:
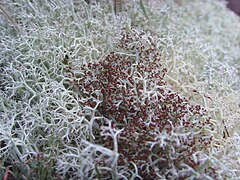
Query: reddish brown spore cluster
[(128, 87)]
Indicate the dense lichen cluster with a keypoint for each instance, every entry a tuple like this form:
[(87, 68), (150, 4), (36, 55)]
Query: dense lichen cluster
[(128, 88), (150, 91)]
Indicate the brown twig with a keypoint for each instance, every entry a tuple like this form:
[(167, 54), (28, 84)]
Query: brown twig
[(5, 177), (9, 18), (119, 6)]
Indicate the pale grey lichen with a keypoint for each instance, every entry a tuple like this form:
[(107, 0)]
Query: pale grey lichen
[(42, 113)]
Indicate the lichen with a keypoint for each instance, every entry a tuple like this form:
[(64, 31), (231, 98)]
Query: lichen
[(149, 91)]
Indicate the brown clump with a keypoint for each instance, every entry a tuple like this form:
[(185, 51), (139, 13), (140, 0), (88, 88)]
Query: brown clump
[(234, 5)]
